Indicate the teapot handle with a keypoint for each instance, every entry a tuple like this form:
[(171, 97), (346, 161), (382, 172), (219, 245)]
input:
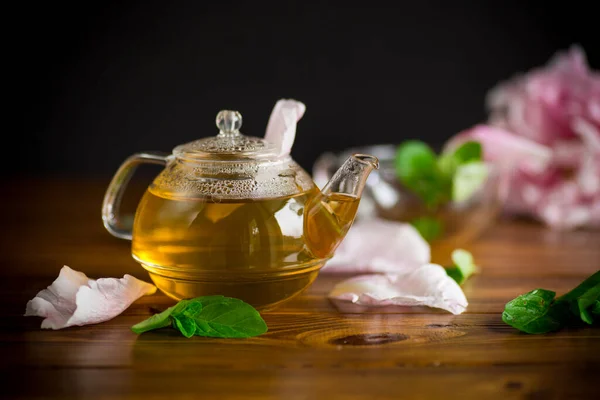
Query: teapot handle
[(113, 222)]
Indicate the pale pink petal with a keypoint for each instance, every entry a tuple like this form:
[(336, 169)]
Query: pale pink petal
[(590, 134), (588, 174), (593, 110), (505, 148), (595, 212), (377, 245), (541, 103), (428, 285), (567, 153), (73, 299), (281, 128), (57, 302), (565, 217), (571, 61), (556, 106)]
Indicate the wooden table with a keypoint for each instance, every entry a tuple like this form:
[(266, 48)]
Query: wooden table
[(311, 351)]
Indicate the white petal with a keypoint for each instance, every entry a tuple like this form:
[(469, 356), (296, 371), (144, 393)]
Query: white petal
[(73, 299), (428, 285), (377, 245), (281, 128)]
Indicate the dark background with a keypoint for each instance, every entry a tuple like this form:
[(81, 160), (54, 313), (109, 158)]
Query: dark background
[(98, 81)]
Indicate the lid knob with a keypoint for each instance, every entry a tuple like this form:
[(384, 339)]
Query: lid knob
[(229, 122)]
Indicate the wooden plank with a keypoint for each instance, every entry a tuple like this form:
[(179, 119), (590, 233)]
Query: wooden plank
[(307, 383), (312, 350)]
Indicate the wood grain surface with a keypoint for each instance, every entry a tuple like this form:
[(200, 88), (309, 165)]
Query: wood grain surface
[(312, 350)]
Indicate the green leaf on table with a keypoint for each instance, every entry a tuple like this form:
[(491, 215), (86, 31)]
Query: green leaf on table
[(582, 288), (583, 297), (463, 266), (428, 227), (468, 179), (185, 325), (183, 317), (595, 309), (229, 318), (417, 169), (213, 316), (534, 312), (160, 320), (538, 312), (587, 302)]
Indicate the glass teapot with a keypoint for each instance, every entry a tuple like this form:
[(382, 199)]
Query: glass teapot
[(230, 215)]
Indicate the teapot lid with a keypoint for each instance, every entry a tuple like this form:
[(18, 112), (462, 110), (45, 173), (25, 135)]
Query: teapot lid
[(229, 144)]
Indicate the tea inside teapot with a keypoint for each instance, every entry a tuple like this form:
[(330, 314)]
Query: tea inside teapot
[(238, 248)]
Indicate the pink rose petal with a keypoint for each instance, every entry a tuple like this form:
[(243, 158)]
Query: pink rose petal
[(428, 285), (547, 134), (377, 245), (74, 299), (505, 148), (281, 128)]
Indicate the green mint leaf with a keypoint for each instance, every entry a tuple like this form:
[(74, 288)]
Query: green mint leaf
[(530, 314), (595, 309), (588, 292), (468, 152), (454, 273), (464, 261), (417, 169), (535, 312), (463, 266), (183, 317), (188, 309), (586, 303), (184, 324), (582, 288), (160, 320), (207, 300), (214, 316), (468, 179), (447, 165), (229, 318), (428, 227)]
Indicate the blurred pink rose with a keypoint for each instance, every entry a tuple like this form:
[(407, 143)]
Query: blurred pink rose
[(546, 123)]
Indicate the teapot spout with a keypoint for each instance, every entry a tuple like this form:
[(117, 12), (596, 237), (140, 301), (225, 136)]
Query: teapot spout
[(330, 215), (351, 177)]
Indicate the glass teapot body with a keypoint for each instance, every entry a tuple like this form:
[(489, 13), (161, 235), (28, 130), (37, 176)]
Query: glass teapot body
[(251, 246), (253, 227)]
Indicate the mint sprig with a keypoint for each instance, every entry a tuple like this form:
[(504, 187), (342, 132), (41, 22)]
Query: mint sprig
[(418, 170), (540, 312), (210, 316), (454, 175), (428, 227), (463, 266)]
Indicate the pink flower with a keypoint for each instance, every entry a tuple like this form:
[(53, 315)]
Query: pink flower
[(546, 123)]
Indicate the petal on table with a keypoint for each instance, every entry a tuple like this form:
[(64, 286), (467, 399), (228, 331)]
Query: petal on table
[(428, 285), (74, 299), (377, 245)]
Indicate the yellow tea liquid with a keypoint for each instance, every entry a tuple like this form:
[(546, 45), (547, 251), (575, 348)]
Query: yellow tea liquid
[(262, 251), (328, 220)]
